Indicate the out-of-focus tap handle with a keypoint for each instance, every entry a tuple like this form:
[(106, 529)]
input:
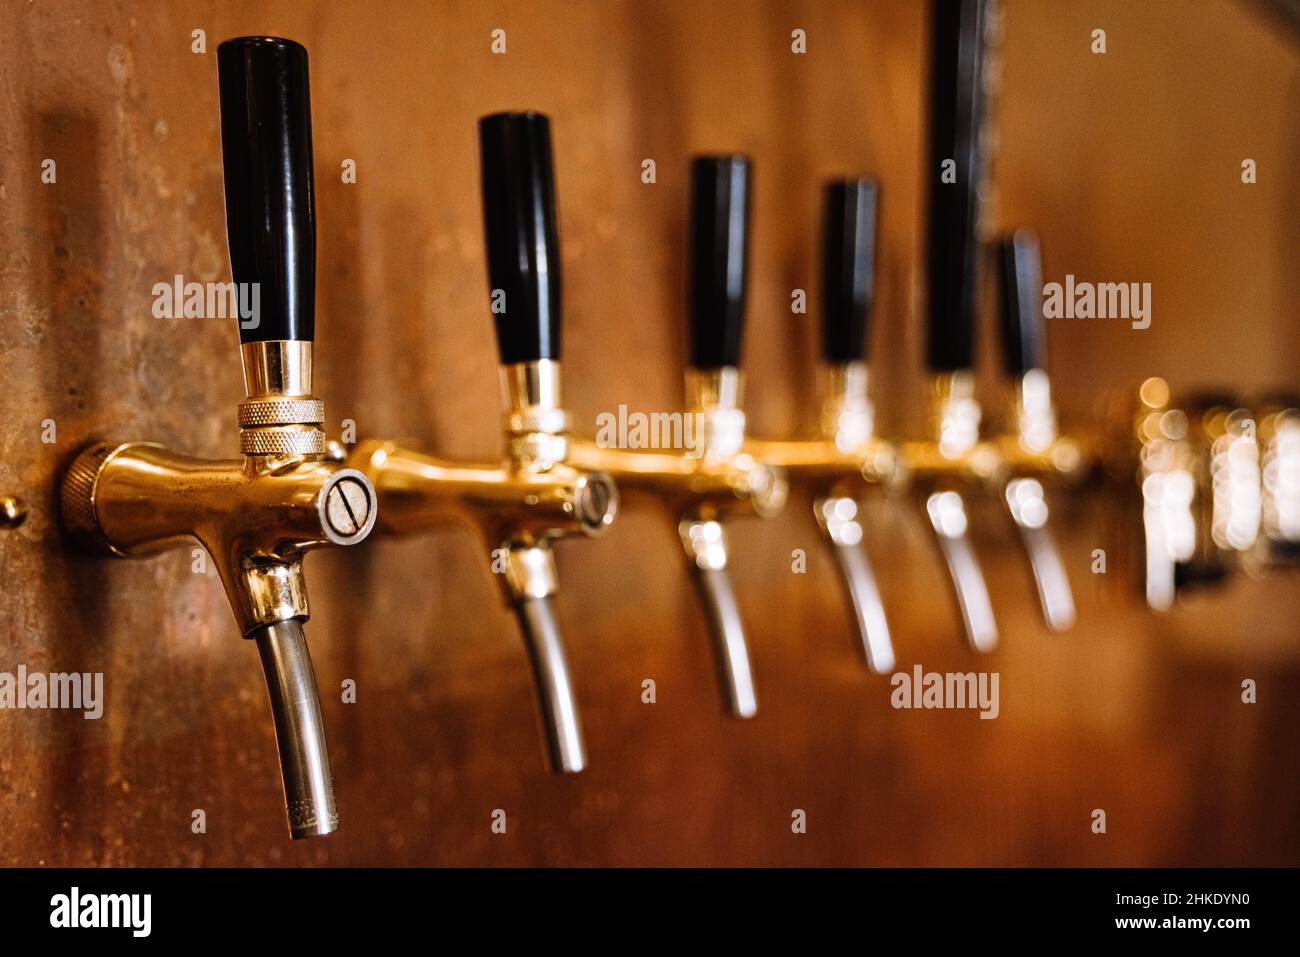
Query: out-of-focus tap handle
[(720, 187), (849, 268), (1020, 281), (519, 222), (953, 175), (956, 108), (270, 209)]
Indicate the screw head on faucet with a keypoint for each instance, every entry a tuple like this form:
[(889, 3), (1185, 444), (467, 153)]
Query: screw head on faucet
[(348, 507), (596, 502)]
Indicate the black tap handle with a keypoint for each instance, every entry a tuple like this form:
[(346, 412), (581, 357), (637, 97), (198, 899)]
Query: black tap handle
[(523, 247), (956, 112), (719, 241), (270, 208), (849, 268), (1020, 277)]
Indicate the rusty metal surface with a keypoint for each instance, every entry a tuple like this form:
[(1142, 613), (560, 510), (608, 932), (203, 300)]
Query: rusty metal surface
[(1137, 715)]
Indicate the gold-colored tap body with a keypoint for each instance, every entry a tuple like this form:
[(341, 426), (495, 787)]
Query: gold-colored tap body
[(508, 505), (954, 457), (847, 451), (1029, 441), (256, 515), (715, 477), (528, 500)]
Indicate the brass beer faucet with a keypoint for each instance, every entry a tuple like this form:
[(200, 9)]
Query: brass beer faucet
[(538, 493), (716, 478), (847, 459), (259, 514)]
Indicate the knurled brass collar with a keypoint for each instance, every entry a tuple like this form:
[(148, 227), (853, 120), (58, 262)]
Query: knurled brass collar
[(537, 449), (269, 410), (281, 425), (536, 419), (535, 423), (537, 436), (77, 497), (282, 440)]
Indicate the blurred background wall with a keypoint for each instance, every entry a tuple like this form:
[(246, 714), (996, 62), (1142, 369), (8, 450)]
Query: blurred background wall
[(1127, 163)]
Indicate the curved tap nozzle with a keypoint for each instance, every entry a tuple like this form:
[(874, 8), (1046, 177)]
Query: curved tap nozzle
[(947, 513), (1027, 505), (836, 471), (299, 730), (838, 519), (256, 517), (706, 545), (703, 491), (531, 579)]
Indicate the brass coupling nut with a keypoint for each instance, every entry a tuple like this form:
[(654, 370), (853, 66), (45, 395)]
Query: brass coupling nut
[(77, 497), (280, 425)]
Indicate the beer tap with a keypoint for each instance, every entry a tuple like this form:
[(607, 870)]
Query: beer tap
[(1146, 444), (1030, 443), (953, 460), (716, 478), (1228, 499), (537, 494), (833, 466), (257, 515), (1279, 438)]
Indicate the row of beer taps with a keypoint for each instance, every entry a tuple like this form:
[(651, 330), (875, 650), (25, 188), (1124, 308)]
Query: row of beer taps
[(291, 490)]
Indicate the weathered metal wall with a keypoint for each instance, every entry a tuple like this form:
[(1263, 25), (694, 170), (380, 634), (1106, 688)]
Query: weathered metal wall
[(1128, 163)]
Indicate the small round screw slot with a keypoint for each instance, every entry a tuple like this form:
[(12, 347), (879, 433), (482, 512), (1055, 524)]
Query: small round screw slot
[(347, 507)]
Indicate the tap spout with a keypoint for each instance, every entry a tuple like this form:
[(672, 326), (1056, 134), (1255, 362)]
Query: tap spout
[(838, 519), (947, 514), (706, 547), (530, 581), (561, 725), (1028, 508), (299, 730)]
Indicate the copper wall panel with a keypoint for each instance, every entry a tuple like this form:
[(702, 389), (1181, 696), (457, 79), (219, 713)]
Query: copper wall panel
[(1129, 166)]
